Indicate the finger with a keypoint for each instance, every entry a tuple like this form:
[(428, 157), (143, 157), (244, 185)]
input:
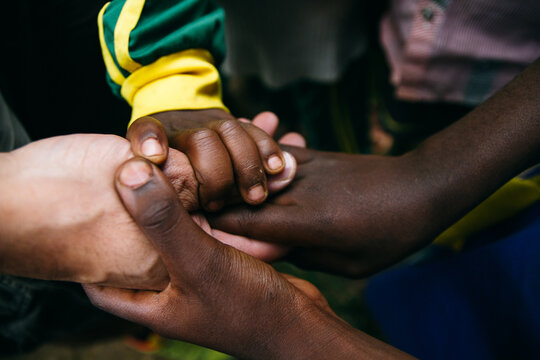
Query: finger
[(248, 168), (275, 223), (212, 164), (258, 249), (269, 150), (133, 305), (185, 249), (293, 139), (261, 250), (284, 178), (266, 121), (148, 139)]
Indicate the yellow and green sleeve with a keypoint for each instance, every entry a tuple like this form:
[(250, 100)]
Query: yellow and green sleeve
[(160, 55)]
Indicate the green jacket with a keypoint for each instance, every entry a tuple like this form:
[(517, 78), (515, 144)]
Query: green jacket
[(160, 54)]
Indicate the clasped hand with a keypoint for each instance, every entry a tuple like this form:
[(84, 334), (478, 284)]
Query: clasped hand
[(70, 225)]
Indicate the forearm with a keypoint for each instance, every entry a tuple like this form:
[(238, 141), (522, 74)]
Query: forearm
[(462, 165)]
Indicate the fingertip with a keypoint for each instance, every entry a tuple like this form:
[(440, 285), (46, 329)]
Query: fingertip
[(151, 148), (293, 139), (267, 121), (275, 164), (257, 194), (148, 139), (283, 179), (134, 173)]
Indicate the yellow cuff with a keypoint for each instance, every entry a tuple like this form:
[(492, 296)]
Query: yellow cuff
[(181, 81)]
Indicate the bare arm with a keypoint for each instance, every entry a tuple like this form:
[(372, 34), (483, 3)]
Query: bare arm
[(357, 214)]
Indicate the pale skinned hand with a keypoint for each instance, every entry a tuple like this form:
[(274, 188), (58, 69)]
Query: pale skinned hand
[(62, 219), (228, 155), (66, 221), (222, 298)]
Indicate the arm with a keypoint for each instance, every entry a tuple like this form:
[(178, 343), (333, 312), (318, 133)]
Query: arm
[(358, 214), (160, 58), (221, 298)]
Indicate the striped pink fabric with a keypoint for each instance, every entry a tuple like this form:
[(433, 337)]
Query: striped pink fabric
[(458, 50)]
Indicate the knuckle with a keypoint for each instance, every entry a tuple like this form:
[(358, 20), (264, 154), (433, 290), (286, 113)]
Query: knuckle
[(158, 216), (202, 138), (267, 145), (228, 127), (217, 182), (253, 171)]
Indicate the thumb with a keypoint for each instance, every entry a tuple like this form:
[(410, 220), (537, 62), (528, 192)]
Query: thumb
[(152, 202), (148, 139)]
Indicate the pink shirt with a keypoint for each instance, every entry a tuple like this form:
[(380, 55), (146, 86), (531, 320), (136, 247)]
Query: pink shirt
[(458, 50)]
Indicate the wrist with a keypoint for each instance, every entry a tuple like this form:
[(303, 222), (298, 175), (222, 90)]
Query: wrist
[(317, 334), (178, 120)]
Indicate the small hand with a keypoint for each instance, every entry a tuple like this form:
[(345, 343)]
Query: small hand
[(65, 212), (149, 128), (228, 155)]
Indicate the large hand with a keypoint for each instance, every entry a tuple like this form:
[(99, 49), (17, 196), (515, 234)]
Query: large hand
[(347, 213), (358, 214), (59, 205), (222, 298), (227, 154)]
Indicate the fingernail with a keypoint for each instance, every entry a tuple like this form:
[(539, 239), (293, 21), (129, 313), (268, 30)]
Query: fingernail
[(284, 178), (136, 173), (274, 162), (214, 205), (256, 193), (151, 147), (290, 167)]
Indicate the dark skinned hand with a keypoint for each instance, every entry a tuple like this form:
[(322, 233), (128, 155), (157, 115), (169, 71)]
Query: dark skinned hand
[(228, 155), (357, 214), (222, 298), (338, 214)]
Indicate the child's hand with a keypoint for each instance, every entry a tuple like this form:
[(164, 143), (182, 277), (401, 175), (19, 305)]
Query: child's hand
[(226, 153)]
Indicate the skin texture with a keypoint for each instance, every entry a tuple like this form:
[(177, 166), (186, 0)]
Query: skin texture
[(226, 154), (222, 298), (357, 214), (62, 219)]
